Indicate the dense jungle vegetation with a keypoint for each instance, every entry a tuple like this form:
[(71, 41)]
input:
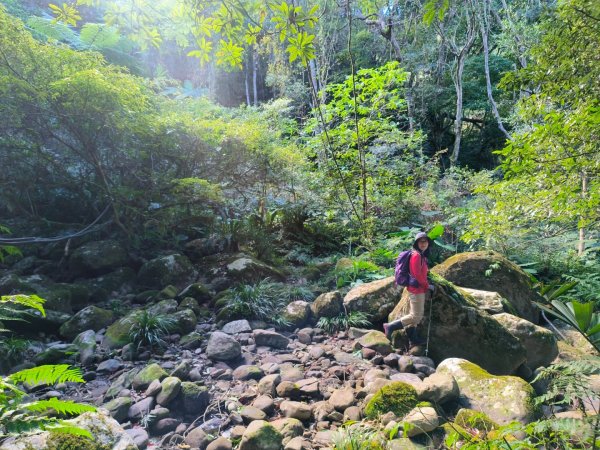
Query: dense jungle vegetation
[(303, 131)]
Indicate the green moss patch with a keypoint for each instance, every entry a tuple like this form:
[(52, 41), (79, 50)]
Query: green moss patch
[(398, 397)]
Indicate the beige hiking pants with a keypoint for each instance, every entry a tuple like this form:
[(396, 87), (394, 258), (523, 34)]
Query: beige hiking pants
[(417, 309)]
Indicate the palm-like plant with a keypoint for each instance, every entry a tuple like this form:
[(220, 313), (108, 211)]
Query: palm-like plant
[(149, 329), (8, 311)]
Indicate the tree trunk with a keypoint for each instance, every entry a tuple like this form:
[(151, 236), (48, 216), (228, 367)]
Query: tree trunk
[(247, 84), (255, 75), (581, 243), (460, 66)]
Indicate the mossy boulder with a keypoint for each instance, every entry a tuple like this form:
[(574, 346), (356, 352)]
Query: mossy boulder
[(397, 397), (469, 418), (421, 419), (147, 375), (296, 314), (170, 388), (65, 297), (490, 271), (329, 304), (185, 321), (90, 318), (375, 340), (376, 299), (540, 344), (459, 329), (197, 291), (503, 398), (118, 282), (261, 435), (159, 272), (96, 258), (118, 408), (248, 269), (117, 334), (193, 397)]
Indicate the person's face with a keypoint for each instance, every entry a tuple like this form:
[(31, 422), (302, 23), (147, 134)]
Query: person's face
[(423, 243)]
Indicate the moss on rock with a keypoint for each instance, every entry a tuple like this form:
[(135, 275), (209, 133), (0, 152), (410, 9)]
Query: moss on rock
[(398, 397)]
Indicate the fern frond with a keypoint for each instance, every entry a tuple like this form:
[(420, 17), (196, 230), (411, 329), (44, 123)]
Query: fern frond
[(60, 406), (65, 428), (27, 301), (47, 374)]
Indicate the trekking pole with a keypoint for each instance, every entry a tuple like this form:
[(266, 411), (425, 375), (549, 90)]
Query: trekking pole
[(429, 324)]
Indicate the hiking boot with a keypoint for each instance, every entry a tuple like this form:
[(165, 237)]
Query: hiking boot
[(414, 339), (389, 328)]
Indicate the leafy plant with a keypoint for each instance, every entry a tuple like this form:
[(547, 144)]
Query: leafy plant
[(8, 312), (149, 329), (359, 270), (13, 350), (19, 414), (580, 316), (357, 436), (344, 321)]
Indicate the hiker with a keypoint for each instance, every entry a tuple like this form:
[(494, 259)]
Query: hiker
[(417, 288)]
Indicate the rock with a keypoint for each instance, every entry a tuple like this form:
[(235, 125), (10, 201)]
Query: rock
[(397, 397), (250, 270), (96, 258), (223, 347), (191, 341), (469, 418), (159, 272), (185, 321), (191, 303), (353, 413), (57, 353), (147, 375), (376, 299), (459, 329), (247, 372), (267, 384), (490, 302), (194, 398), (197, 439), (297, 443), (439, 388), (251, 413), (264, 403), (421, 419), (165, 425), (86, 345), (140, 409), (341, 399), (540, 344), (109, 366), (220, 443), (261, 435), (270, 339), (118, 334), (509, 280), (123, 381), (118, 408), (309, 387), (197, 291), (296, 313), (170, 388), (375, 340), (329, 304), (237, 326), (90, 318), (114, 283), (199, 248), (288, 427), (104, 429), (139, 436), (296, 410), (502, 398), (182, 370)]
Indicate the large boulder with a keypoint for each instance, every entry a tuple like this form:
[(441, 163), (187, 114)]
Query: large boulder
[(118, 334), (376, 299), (159, 272), (329, 304), (96, 258), (110, 284), (503, 398), (490, 271), (296, 313), (106, 433), (90, 318), (459, 329), (223, 347), (248, 269), (540, 344)]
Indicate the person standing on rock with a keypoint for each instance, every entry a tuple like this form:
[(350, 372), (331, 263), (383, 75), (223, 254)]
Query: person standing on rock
[(418, 270)]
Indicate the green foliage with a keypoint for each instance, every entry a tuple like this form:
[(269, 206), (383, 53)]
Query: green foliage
[(259, 301), (358, 436), (21, 309), (397, 397), (62, 441), (13, 351), (580, 316), (19, 414), (356, 272), (149, 329), (344, 321)]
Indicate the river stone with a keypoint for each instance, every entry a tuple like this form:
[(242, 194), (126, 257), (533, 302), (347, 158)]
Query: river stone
[(250, 413), (460, 330), (476, 270), (264, 403), (123, 381), (118, 408), (296, 313), (267, 384), (422, 419), (140, 409), (341, 399), (502, 398), (329, 304), (147, 375), (140, 436), (288, 427), (170, 390), (96, 258), (271, 339), (296, 410), (223, 347), (220, 443), (117, 334), (438, 388), (197, 439), (194, 397), (540, 344), (376, 299), (86, 345), (173, 269), (237, 326), (261, 435), (185, 321), (376, 340), (247, 372), (90, 318)]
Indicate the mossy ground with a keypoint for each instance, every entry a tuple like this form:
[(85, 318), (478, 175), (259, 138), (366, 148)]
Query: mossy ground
[(397, 397)]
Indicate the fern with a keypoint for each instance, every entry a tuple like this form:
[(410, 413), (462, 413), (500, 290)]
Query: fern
[(26, 301), (48, 374), (67, 408), (50, 29), (99, 35)]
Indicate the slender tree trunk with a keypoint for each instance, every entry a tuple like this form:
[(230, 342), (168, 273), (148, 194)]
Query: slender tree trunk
[(409, 102), (584, 188), (254, 76), (458, 86), (247, 84)]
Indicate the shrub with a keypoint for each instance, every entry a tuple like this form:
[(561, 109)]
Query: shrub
[(344, 321), (149, 329)]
